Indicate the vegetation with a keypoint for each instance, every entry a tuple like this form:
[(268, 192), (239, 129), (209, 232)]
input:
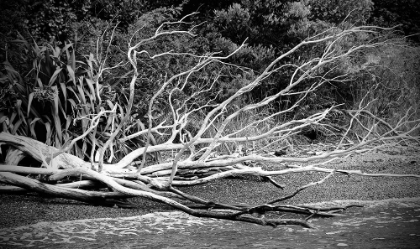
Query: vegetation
[(120, 99)]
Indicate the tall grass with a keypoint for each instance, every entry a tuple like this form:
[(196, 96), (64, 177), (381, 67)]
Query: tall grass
[(55, 100)]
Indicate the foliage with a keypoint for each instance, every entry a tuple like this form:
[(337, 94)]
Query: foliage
[(261, 23), (404, 13), (92, 35), (11, 28), (355, 12), (51, 19), (272, 27), (55, 100), (389, 83), (125, 12)]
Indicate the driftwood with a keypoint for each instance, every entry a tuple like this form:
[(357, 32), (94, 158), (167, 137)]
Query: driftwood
[(62, 174), (118, 186)]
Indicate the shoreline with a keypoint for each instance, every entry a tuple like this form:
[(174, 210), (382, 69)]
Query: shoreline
[(20, 210)]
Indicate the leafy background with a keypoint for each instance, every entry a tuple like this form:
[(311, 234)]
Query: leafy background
[(65, 61)]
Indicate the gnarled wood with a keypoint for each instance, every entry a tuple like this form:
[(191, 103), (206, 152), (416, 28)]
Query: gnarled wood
[(64, 175)]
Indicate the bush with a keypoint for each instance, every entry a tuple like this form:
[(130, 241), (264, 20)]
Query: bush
[(391, 83)]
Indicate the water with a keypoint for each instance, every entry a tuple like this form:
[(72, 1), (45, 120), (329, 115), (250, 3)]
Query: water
[(385, 224)]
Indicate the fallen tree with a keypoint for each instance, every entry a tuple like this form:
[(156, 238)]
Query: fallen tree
[(212, 150)]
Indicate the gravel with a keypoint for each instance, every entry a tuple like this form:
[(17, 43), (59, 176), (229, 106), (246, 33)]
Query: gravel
[(18, 210)]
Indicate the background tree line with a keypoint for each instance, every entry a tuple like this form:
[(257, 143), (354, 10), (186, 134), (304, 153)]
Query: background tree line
[(56, 53)]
